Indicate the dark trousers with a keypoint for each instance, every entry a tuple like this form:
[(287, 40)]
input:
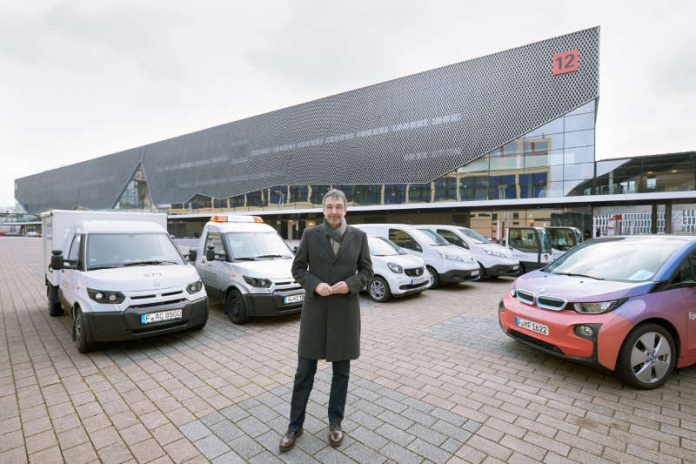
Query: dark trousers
[(304, 381)]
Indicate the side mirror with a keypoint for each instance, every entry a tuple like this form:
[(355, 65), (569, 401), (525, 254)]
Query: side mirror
[(210, 253), (57, 262), (192, 254)]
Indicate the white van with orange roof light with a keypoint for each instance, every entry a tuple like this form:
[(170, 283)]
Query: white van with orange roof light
[(247, 265)]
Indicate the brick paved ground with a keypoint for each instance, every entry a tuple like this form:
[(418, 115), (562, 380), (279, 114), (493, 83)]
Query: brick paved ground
[(437, 382)]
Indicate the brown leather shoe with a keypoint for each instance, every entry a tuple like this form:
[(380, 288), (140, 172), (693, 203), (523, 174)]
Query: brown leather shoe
[(287, 441), (335, 435)]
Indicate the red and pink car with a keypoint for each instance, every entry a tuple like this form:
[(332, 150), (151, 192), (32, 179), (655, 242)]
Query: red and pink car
[(623, 304)]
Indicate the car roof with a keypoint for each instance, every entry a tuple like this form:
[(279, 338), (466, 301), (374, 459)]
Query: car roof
[(224, 227), (118, 227)]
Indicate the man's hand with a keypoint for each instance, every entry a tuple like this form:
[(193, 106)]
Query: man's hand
[(340, 288), (323, 289)]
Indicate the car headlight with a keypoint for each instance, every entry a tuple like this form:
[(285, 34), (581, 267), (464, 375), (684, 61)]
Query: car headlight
[(106, 297), (513, 292), (194, 287), (395, 268), (455, 258), (597, 308), (256, 282)]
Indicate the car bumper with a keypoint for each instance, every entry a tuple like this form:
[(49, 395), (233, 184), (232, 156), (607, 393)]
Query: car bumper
[(503, 270), (273, 305), (459, 275), (601, 351), (407, 288), (126, 325)]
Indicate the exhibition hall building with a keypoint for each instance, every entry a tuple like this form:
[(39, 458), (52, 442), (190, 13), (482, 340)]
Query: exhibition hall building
[(501, 140)]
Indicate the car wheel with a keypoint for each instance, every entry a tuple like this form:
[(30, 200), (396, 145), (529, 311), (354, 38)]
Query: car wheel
[(80, 334), (54, 307), (435, 277), (378, 289), (647, 357), (235, 307)]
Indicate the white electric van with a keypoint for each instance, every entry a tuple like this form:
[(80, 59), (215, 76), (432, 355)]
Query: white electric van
[(119, 275), (247, 265), (494, 260)]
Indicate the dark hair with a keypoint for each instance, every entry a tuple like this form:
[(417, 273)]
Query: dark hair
[(335, 193)]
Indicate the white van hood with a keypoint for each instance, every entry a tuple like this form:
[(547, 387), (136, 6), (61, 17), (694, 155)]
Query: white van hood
[(405, 261), (508, 253), (273, 269), (140, 278)]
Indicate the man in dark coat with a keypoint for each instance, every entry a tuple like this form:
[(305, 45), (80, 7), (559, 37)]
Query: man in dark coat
[(332, 264)]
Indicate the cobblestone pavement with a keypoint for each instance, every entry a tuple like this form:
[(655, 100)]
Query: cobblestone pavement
[(437, 382)]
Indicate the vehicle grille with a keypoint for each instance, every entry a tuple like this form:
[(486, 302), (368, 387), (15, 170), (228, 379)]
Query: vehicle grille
[(525, 297), (286, 285), (414, 272), (552, 303), (159, 303), (534, 341)]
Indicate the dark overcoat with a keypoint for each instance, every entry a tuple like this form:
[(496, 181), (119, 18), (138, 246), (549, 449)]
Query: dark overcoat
[(330, 326)]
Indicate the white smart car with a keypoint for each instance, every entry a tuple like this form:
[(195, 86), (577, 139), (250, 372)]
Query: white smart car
[(396, 272)]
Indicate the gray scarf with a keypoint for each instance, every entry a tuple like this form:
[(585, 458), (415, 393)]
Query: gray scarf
[(335, 235)]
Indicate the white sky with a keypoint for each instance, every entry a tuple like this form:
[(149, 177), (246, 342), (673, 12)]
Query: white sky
[(81, 79)]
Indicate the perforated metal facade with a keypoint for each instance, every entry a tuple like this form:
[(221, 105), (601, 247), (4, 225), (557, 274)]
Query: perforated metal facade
[(408, 130)]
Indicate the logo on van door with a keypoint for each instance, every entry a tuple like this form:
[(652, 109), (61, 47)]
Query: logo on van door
[(152, 274), (692, 316)]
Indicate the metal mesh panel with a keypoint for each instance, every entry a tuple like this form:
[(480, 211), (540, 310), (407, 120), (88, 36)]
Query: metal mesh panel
[(408, 130)]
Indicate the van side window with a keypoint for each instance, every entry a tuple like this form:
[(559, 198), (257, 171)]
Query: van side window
[(214, 239), (686, 270), (452, 238), (404, 240), (74, 253), (523, 240)]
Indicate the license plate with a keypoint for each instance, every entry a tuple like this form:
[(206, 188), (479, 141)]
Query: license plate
[(419, 280), (531, 325), (474, 273), (514, 268), (293, 298), (161, 316)]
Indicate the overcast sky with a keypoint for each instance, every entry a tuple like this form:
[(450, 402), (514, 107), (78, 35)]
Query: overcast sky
[(81, 79)]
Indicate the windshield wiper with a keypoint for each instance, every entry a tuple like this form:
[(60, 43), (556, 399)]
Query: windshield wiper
[(97, 268), (245, 258), (272, 256), (579, 275), (149, 263)]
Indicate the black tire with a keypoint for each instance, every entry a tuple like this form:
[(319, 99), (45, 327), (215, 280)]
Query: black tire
[(235, 307), (55, 309), (482, 272), (378, 289), (435, 280), (522, 270), (647, 357), (81, 332)]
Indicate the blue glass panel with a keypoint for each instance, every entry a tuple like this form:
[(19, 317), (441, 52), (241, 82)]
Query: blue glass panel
[(579, 122), (579, 155), (586, 108), (579, 138), (553, 127), (394, 193)]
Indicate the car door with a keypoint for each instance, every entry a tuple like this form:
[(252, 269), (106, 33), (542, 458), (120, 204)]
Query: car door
[(685, 281), (69, 281), (210, 271)]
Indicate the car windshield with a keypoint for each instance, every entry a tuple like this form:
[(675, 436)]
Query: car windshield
[(616, 259), (257, 246), (434, 239), (474, 236), (117, 250), (562, 239), (381, 247)]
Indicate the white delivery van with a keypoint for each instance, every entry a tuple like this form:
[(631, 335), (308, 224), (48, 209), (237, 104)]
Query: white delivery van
[(247, 265), (396, 273), (530, 245), (119, 275), (494, 260), (445, 262), (563, 238)]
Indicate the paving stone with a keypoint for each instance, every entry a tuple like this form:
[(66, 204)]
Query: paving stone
[(211, 446), (195, 430)]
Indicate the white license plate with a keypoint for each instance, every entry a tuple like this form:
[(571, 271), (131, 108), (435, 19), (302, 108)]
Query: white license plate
[(161, 316), (531, 325), (419, 280), (474, 273), (293, 298), (514, 268)]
